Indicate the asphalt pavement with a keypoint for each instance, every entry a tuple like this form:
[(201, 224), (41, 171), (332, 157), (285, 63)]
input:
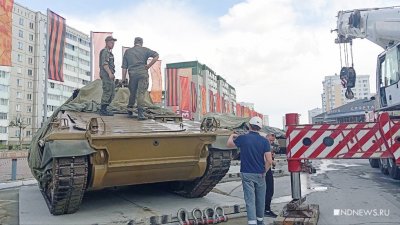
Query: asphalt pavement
[(347, 191)]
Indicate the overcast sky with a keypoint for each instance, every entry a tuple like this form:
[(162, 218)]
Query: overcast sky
[(274, 52)]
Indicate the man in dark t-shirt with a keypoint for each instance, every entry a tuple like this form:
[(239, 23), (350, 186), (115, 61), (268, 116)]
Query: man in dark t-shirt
[(255, 159), (135, 63)]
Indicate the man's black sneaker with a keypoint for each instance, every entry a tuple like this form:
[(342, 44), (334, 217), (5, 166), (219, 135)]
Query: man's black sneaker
[(270, 214)]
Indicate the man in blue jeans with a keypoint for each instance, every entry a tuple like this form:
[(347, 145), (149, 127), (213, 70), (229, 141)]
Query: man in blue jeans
[(256, 159)]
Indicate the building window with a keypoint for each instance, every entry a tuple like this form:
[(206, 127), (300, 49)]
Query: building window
[(19, 95), (19, 82), (30, 84), (29, 121), (30, 72), (69, 46), (51, 85), (19, 58), (21, 21), (31, 25), (3, 88), (3, 130), (17, 133), (30, 49), (31, 37), (20, 45), (29, 96), (3, 101), (30, 61), (29, 109), (28, 133), (20, 34), (18, 108), (3, 116)]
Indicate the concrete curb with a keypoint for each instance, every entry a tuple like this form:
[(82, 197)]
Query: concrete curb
[(17, 183)]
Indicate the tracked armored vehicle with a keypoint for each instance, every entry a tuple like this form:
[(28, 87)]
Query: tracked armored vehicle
[(77, 151)]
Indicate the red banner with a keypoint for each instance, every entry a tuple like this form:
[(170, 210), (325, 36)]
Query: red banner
[(238, 110), (203, 100), (98, 43), (194, 97), (218, 103), (172, 87), (156, 82), (6, 7), (56, 30), (212, 102), (185, 94), (223, 104)]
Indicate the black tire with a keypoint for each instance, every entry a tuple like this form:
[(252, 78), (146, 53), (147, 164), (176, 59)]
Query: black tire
[(383, 166), (374, 163), (394, 170)]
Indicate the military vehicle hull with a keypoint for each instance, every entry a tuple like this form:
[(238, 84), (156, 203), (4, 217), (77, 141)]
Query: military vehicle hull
[(84, 151)]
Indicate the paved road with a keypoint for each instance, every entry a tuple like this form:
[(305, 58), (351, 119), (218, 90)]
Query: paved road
[(356, 194), (9, 206), (348, 188)]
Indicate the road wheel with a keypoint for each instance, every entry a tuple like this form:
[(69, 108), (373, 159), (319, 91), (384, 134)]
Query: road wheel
[(383, 166), (374, 163), (394, 170)]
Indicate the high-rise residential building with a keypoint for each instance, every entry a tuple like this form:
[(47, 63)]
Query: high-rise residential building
[(312, 113), (247, 104), (333, 92), (4, 103), (26, 78), (204, 77)]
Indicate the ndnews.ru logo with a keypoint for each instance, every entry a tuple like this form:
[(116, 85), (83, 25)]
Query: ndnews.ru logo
[(361, 212)]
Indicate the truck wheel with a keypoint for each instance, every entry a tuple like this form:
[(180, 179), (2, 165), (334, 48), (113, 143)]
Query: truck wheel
[(383, 166), (374, 163), (394, 170)]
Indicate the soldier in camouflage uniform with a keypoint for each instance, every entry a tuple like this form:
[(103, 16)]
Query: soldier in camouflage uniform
[(107, 70), (135, 63)]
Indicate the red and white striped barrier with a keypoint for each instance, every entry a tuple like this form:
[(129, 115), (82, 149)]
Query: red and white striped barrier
[(353, 140)]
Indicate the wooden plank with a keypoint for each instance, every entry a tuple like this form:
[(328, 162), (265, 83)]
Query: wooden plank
[(289, 221), (279, 220)]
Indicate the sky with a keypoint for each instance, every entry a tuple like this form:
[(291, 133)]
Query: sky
[(274, 52)]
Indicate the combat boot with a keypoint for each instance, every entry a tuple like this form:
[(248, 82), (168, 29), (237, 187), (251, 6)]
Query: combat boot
[(130, 113), (141, 114), (104, 112)]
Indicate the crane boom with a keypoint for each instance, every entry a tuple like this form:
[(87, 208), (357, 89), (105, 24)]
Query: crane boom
[(379, 25)]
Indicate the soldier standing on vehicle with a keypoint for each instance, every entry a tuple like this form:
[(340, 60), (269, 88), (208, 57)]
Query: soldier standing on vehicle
[(135, 62), (256, 159), (107, 70)]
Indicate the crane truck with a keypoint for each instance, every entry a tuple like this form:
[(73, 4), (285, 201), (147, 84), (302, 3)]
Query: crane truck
[(377, 140)]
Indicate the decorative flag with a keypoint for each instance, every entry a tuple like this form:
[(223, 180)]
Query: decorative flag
[(172, 87), (56, 46), (212, 102), (223, 105), (185, 97), (218, 103), (238, 110), (6, 7), (156, 82), (98, 43), (203, 100), (194, 97)]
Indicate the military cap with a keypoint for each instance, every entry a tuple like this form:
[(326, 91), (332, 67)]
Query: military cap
[(110, 38)]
